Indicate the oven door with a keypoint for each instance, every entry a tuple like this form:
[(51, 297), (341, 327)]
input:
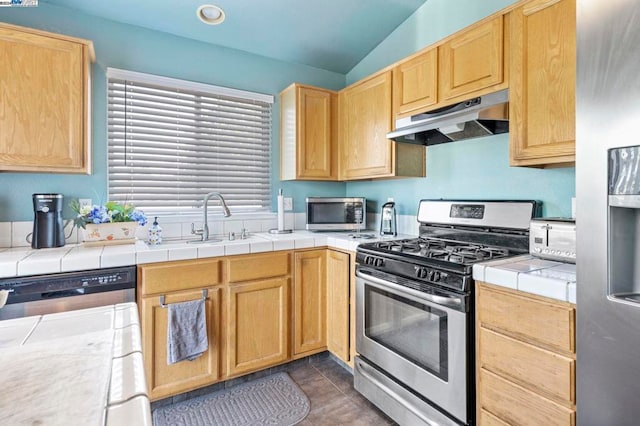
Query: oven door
[(419, 339)]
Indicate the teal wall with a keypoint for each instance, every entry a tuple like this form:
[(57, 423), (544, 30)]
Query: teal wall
[(137, 49), (473, 169)]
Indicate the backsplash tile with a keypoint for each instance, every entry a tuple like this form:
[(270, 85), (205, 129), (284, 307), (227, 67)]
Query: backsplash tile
[(5, 234), (300, 220), (13, 234), (19, 232), (232, 226)]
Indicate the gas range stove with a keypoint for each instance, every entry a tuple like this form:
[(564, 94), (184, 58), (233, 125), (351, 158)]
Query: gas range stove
[(454, 235)]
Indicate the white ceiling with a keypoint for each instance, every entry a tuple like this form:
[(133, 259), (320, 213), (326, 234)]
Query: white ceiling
[(329, 34)]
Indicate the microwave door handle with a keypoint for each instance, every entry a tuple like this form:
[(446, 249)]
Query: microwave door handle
[(454, 302)]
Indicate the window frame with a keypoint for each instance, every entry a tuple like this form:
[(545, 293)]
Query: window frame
[(194, 88)]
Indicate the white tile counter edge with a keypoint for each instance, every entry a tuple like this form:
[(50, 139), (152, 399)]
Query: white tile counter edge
[(127, 382), (23, 261), (555, 280)]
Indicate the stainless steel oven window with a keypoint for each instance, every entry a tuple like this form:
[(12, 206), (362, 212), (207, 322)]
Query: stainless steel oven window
[(413, 330)]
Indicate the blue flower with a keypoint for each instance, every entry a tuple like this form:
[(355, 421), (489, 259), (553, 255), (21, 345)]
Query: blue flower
[(138, 216)]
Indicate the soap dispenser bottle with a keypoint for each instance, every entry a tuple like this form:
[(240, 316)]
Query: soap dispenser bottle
[(388, 221), (155, 233)]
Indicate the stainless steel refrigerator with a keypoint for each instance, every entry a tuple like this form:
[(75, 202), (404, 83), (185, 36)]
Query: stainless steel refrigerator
[(608, 212)]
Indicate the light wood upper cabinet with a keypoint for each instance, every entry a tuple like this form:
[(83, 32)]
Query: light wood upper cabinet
[(525, 368), (338, 277), (165, 380), (415, 84), (471, 61), (542, 83), (309, 302), (365, 120), (45, 101), (308, 133)]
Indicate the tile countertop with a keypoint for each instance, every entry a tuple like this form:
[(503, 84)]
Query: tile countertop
[(78, 367), (556, 280), (24, 261)]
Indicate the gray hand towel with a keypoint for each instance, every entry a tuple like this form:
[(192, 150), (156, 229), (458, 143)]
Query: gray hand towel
[(186, 331)]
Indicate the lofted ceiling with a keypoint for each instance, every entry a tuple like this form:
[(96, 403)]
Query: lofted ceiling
[(329, 34)]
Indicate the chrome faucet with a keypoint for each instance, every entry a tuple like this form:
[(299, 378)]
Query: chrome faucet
[(204, 231)]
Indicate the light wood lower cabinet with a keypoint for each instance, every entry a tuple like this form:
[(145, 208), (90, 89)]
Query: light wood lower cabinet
[(309, 302), (258, 325), (258, 311), (338, 315), (525, 358), (165, 380), (262, 310)]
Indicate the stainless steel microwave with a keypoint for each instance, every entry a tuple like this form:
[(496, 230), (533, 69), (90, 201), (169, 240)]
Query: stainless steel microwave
[(336, 213)]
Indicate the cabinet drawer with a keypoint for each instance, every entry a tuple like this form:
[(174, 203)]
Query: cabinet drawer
[(175, 276), (537, 368), (488, 419), (257, 266), (518, 406), (545, 323)]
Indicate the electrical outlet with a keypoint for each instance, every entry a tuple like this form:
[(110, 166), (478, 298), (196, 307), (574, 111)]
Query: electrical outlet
[(288, 204), (85, 202)]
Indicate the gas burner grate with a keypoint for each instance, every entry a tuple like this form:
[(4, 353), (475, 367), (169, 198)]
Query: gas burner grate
[(448, 251)]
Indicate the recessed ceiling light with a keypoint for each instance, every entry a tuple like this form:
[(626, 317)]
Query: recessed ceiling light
[(210, 14)]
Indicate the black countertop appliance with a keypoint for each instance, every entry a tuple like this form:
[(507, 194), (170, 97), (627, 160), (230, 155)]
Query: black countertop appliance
[(48, 229)]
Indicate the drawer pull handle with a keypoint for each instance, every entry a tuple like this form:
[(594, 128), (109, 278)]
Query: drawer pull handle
[(205, 293)]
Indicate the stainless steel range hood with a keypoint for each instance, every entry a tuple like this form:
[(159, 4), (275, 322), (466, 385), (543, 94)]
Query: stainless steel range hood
[(477, 117)]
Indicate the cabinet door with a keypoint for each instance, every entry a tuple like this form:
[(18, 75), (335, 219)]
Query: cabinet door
[(308, 133), (542, 83), (258, 325), (415, 84), (44, 102), (166, 380), (338, 278), (365, 120), (472, 60), (309, 302)]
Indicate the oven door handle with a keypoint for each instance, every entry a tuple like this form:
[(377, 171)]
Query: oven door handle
[(450, 301)]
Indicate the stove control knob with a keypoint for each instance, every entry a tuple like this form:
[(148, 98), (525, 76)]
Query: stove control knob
[(420, 272), (378, 262), (430, 275), (436, 276)]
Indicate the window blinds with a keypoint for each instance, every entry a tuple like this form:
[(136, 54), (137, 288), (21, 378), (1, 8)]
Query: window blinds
[(171, 141)]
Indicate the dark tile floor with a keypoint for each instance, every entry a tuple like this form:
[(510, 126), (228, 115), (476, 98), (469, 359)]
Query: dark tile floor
[(327, 384), (334, 401)]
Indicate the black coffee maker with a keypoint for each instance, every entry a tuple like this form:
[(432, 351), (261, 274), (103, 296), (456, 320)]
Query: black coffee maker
[(48, 229)]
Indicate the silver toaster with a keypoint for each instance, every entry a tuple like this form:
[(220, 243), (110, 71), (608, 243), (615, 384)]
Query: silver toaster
[(553, 238)]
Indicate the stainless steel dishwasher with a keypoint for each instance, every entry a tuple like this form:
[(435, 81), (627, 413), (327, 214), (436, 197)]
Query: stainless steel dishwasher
[(67, 291)]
